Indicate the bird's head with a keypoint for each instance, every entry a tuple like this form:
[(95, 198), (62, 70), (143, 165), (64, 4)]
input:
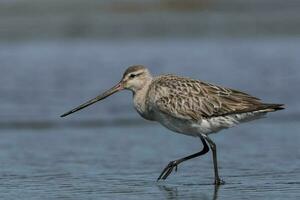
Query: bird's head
[(134, 79)]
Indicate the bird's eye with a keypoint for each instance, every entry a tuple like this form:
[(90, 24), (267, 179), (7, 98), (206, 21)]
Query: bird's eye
[(132, 75)]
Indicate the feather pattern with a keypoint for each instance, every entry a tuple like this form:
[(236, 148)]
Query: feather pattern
[(194, 100)]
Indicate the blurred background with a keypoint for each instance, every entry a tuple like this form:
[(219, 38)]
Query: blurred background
[(56, 54)]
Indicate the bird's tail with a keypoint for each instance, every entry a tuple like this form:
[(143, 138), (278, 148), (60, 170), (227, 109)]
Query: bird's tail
[(270, 107)]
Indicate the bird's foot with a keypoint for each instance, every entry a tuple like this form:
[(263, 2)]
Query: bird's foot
[(168, 169), (219, 181)]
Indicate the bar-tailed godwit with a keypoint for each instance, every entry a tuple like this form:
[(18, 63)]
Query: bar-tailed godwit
[(187, 106)]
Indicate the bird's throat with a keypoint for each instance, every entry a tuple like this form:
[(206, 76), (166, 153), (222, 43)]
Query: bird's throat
[(140, 101)]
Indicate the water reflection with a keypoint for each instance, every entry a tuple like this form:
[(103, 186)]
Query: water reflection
[(169, 192), (172, 192)]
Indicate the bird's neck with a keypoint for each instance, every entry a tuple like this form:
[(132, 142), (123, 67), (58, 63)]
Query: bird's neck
[(140, 99)]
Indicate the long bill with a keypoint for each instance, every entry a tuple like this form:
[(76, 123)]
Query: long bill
[(109, 92)]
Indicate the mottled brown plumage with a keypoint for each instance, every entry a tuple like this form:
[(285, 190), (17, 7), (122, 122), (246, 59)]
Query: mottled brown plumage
[(187, 106), (193, 99)]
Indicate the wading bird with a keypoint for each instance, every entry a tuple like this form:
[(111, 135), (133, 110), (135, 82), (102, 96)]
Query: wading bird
[(187, 106)]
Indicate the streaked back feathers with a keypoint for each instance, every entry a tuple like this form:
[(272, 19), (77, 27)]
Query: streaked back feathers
[(193, 99)]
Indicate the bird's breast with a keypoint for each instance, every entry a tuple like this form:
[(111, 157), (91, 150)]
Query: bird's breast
[(141, 106)]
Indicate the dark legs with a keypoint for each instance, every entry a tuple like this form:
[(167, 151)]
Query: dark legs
[(173, 164), (213, 148), (169, 168)]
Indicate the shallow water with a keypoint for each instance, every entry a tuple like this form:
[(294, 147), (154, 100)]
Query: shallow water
[(258, 161), (108, 152)]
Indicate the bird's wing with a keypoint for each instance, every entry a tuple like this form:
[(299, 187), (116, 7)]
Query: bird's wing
[(192, 99)]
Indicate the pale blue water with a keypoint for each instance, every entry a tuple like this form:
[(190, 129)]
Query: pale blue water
[(108, 152)]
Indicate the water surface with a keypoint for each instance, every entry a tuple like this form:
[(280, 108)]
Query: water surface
[(108, 152)]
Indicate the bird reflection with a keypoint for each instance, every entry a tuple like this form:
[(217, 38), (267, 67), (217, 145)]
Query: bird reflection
[(172, 192)]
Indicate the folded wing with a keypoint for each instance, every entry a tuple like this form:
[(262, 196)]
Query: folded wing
[(192, 99)]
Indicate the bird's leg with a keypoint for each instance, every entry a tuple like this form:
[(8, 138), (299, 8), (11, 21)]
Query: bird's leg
[(213, 148), (173, 164)]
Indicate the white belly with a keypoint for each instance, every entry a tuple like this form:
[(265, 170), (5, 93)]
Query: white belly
[(206, 125)]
